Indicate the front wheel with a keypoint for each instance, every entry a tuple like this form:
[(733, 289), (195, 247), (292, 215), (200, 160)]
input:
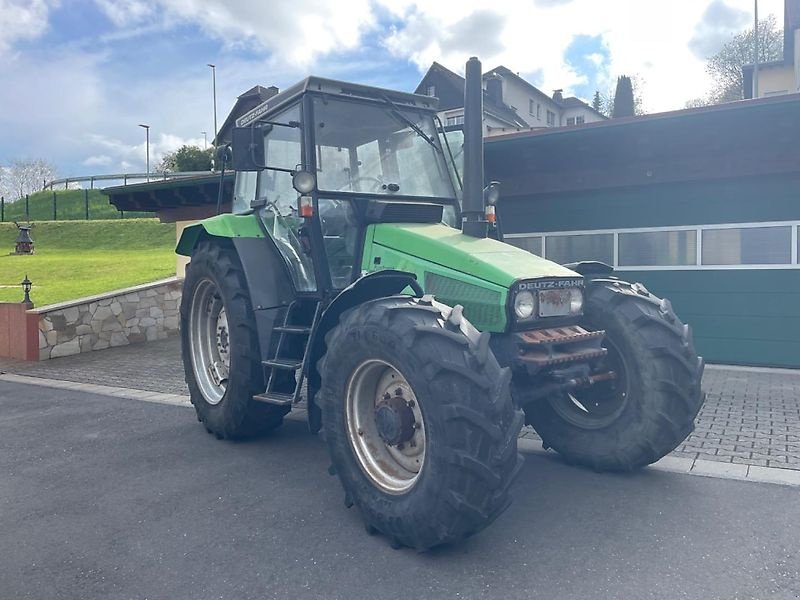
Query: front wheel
[(648, 409), (418, 420)]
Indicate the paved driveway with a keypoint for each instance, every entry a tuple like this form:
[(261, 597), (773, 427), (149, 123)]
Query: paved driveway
[(751, 417), (108, 498)]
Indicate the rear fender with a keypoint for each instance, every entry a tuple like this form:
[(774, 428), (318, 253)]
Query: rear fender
[(223, 226)]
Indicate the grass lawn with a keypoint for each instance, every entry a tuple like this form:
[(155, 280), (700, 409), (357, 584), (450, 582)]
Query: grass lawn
[(81, 258)]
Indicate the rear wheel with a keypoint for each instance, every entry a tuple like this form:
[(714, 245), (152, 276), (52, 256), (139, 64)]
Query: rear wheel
[(648, 409), (418, 420), (220, 346)]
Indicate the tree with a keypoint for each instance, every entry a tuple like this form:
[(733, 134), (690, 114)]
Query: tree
[(725, 67), (624, 105), (608, 99), (187, 158), (597, 102), (25, 176), (697, 103)]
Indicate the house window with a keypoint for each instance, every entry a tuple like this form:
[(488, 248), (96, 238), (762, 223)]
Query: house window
[(538, 111), (456, 120), (572, 248), (532, 243), (431, 90), (748, 246), (551, 118), (570, 121), (657, 248), (531, 105), (579, 120)]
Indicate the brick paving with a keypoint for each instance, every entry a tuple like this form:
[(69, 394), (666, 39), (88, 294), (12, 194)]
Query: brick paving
[(751, 416)]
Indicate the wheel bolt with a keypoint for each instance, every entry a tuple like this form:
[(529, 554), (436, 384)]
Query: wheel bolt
[(386, 396), (411, 404), (398, 392), (360, 432)]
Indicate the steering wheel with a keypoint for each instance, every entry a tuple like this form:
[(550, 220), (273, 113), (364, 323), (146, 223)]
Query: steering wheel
[(378, 183)]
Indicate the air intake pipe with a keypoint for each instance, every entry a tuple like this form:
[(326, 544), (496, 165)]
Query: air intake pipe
[(473, 210)]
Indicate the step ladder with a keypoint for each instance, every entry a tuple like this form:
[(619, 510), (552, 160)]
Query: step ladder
[(281, 363)]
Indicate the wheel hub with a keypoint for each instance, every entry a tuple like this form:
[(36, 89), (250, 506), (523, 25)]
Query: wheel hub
[(394, 420), (385, 426)]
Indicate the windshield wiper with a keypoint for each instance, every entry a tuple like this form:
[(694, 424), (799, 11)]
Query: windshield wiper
[(395, 112)]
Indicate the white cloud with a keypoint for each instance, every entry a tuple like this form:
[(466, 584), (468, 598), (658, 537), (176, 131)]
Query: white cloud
[(297, 32), (22, 20), (125, 13), (98, 160), (646, 38)]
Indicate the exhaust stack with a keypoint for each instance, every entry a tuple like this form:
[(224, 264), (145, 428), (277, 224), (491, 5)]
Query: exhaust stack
[(473, 210)]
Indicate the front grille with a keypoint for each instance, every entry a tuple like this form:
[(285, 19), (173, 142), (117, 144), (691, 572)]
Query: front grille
[(483, 308)]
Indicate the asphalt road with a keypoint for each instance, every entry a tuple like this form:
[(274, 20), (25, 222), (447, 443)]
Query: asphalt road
[(109, 498)]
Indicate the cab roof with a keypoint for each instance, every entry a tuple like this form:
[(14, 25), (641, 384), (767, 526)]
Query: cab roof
[(333, 87)]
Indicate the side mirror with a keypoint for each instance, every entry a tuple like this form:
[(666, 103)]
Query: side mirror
[(247, 145)]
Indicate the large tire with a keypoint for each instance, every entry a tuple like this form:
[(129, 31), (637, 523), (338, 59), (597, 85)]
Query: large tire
[(215, 283), (465, 421), (650, 408)]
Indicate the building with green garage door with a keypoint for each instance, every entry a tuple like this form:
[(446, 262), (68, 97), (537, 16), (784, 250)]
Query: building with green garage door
[(701, 205)]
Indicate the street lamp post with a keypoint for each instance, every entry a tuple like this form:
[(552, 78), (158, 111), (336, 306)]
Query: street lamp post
[(755, 58), (205, 139), (147, 147), (214, 93)]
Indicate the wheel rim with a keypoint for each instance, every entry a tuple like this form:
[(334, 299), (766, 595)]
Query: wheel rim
[(385, 426), (209, 341), (601, 404)]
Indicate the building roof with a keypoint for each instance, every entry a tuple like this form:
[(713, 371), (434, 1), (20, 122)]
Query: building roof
[(730, 140), (500, 111), (568, 102)]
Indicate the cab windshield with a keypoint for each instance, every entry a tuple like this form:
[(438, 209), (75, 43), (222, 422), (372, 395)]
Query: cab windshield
[(378, 149)]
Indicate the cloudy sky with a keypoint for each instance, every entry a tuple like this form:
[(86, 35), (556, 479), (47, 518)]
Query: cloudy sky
[(78, 76)]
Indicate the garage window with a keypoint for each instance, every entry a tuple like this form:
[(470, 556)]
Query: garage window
[(573, 248), (532, 244), (658, 248), (748, 246)]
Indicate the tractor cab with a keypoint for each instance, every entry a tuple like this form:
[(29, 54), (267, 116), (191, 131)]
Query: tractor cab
[(324, 159)]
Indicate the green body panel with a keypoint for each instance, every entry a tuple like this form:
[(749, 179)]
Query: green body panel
[(226, 225), (747, 316), (458, 269)]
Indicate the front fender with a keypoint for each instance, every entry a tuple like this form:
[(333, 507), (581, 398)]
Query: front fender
[(379, 284)]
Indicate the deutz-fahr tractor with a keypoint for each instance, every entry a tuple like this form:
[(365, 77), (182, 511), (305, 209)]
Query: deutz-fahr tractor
[(358, 271)]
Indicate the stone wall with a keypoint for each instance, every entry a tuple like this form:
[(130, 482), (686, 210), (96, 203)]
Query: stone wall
[(138, 314)]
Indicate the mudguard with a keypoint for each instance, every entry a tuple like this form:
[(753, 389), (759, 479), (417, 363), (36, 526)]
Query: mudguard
[(224, 226), (379, 284)]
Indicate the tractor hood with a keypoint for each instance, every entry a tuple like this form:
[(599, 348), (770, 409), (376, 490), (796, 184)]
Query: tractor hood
[(484, 258)]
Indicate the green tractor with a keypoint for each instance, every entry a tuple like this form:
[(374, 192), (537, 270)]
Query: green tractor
[(354, 271)]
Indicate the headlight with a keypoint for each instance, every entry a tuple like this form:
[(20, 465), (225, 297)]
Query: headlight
[(524, 305), (576, 301)]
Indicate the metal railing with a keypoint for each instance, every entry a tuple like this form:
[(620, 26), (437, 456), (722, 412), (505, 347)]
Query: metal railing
[(125, 178)]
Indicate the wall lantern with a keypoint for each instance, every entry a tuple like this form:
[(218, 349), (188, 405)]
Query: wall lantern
[(26, 284)]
